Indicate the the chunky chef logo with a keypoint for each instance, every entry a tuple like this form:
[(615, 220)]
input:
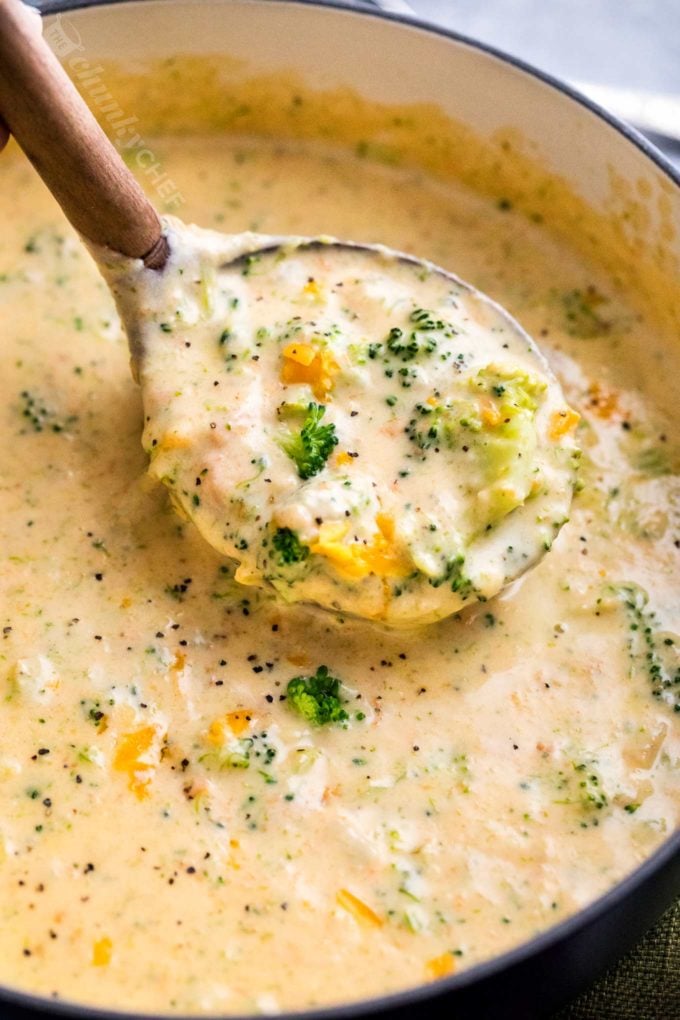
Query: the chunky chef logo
[(67, 43)]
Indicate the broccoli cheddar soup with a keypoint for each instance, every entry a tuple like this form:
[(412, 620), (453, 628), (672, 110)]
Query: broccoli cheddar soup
[(213, 802)]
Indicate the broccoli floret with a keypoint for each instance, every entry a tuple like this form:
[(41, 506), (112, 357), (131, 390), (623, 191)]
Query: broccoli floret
[(417, 340), (317, 698), (516, 390), (312, 446), (455, 577), (424, 320), (591, 794), (289, 547), (408, 346), (442, 424)]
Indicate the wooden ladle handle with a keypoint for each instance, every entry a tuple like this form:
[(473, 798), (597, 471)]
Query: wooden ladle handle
[(52, 124)]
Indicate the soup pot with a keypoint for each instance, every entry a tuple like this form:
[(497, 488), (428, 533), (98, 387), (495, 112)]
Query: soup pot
[(390, 58)]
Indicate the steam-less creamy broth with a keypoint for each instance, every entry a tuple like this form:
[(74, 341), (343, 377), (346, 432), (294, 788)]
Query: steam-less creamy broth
[(174, 834)]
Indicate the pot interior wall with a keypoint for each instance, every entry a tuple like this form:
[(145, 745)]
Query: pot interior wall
[(395, 63)]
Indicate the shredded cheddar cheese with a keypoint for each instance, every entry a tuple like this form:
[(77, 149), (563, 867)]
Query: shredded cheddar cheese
[(174, 440), (563, 422), (102, 950), (355, 560), (234, 722), (132, 757), (359, 910), (306, 363), (490, 414)]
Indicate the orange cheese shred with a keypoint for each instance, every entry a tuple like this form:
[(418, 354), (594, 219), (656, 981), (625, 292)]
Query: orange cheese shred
[(235, 722), (358, 909), (354, 560), (489, 413), (130, 758), (239, 721), (171, 441), (563, 422)]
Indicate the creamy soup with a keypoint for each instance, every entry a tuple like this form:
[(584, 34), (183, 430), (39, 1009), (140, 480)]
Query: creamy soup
[(176, 832)]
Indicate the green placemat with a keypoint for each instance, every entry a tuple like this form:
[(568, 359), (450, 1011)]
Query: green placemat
[(644, 985)]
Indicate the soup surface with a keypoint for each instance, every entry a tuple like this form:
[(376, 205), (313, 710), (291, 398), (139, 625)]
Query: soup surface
[(174, 836)]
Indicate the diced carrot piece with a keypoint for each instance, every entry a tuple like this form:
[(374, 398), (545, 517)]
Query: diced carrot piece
[(239, 721), (440, 966), (101, 952)]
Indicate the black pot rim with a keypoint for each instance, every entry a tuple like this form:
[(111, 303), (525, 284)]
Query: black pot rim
[(424, 994)]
